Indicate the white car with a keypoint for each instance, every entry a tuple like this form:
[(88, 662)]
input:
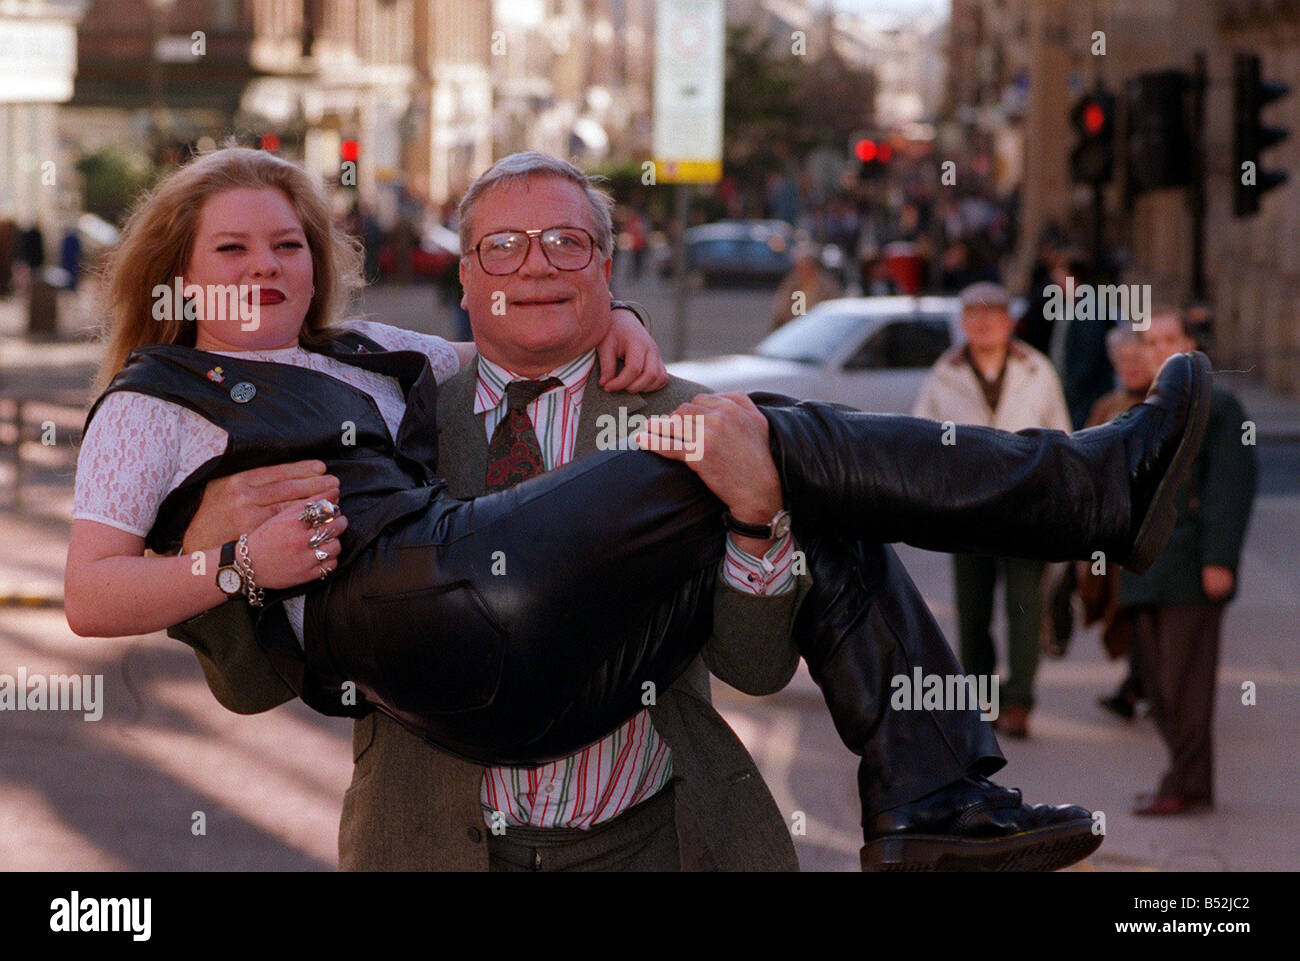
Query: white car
[(871, 353)]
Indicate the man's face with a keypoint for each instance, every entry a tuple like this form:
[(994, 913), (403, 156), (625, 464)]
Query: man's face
[(987, 327), (539, 317), (1164, 338), (1130, 362)]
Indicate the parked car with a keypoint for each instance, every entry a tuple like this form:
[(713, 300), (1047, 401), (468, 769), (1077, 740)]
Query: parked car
[(735, 251), (871, 353)]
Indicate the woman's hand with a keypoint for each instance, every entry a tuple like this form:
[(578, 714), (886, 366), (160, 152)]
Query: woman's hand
[(643, 368), (240, 502), (281, 554)]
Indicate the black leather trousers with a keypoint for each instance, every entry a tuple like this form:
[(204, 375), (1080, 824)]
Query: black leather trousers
[(521, 626), (1036, 493)]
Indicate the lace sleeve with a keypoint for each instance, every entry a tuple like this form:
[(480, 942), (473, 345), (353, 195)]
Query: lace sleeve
[(442, 356), (135, 452)]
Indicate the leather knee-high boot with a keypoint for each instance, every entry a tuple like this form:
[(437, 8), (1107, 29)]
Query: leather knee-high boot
[(1037, 493)]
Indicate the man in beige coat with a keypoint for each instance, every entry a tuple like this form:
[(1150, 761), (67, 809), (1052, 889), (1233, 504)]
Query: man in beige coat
[(994, 380)]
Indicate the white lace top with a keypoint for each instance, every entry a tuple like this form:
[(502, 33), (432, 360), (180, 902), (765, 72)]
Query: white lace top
[(139, 448)]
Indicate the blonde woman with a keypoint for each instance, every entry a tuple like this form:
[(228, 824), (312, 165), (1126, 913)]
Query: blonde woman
[(244, 221)]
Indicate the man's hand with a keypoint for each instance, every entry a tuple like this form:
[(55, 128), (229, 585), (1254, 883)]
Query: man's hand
[(240, 503), (724, 439), (1216, 581), (643, 368)]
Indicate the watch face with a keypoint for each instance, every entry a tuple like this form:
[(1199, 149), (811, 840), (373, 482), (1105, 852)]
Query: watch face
[(228, 580)]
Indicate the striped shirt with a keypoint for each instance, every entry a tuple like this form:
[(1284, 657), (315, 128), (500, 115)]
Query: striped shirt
[(630, 764)]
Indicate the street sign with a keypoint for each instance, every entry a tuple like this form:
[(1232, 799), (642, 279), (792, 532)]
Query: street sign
[(689, 63)]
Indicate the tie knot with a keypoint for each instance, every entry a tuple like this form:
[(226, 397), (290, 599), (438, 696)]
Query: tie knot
[(521, 393)]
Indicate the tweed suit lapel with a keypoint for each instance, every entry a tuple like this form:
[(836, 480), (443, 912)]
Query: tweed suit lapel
[(597, 404), (462, 443)]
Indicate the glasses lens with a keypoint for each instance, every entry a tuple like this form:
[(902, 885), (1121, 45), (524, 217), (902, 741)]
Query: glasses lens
[(503, 253), (567, 247)]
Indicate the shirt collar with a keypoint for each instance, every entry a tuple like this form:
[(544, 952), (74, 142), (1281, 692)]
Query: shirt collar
[(1014, 352), (490, 391)]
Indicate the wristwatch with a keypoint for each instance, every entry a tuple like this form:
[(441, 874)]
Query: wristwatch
[(642, 314), (774, 529), (229, 578)]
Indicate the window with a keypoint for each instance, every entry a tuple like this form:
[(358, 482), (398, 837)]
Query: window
[(903, 344)]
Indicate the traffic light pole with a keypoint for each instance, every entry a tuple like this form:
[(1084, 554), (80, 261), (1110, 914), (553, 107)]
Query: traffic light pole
[(679, 272), (1196, 189), (1099, 260)]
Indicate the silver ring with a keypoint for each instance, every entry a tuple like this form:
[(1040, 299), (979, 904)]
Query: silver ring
[(321, 555), (319, 512), (323, 573), (320, 536)]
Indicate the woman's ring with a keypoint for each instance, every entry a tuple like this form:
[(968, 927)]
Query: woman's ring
[(321, 555), (319, 512), (320, 536), (323, 573)]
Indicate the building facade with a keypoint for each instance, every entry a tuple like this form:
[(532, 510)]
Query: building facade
[(406, 81), (1048, 53), (38, 64)]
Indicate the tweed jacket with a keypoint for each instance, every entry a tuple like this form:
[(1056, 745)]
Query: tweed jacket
[(411, 806), (1214, 508)]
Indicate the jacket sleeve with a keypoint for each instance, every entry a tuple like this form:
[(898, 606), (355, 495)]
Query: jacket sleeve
[(238, 672), (1227, 486), (752, 647)]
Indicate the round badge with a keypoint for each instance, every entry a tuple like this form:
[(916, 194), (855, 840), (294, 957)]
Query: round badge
[(243, 392)]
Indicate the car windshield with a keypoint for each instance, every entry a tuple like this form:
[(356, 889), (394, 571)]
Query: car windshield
[(813, 338)]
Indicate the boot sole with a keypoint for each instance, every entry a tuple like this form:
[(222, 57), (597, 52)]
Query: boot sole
[(1046, 849), (1161, 516)]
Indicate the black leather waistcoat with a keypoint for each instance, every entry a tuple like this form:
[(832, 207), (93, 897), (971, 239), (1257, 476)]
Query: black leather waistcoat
[(276, 413)]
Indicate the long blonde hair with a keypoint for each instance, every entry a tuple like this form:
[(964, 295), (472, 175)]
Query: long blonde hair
[(159, 237)]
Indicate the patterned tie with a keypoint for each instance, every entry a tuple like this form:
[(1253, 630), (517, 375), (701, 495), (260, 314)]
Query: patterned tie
[(514, 453)]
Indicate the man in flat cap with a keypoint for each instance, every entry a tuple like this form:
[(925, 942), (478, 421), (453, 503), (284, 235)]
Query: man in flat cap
[(995, 380)]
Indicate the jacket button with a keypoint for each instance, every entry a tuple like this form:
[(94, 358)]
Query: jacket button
[(475, 835)]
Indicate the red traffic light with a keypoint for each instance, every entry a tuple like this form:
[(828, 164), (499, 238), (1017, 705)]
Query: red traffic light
[(270, 143), (1094, 118), (349, 150), (865, 150)]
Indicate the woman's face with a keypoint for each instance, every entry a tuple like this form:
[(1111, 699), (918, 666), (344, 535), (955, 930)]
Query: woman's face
[(250, 238)]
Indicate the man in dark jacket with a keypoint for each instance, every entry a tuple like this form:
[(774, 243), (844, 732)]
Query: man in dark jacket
[(1177, 606)]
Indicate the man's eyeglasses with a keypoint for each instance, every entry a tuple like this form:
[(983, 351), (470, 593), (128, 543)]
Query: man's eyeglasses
[(565, 248)]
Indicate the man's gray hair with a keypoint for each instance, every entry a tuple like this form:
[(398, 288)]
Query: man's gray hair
[(518, 168)]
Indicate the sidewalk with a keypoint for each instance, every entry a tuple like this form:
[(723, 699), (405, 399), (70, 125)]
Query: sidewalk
[(123, 793)]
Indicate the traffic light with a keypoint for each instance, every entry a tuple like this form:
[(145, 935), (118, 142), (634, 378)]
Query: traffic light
[(349, 153), (1092, 161), (872, 157), (1158, 144), (1250, 136)]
